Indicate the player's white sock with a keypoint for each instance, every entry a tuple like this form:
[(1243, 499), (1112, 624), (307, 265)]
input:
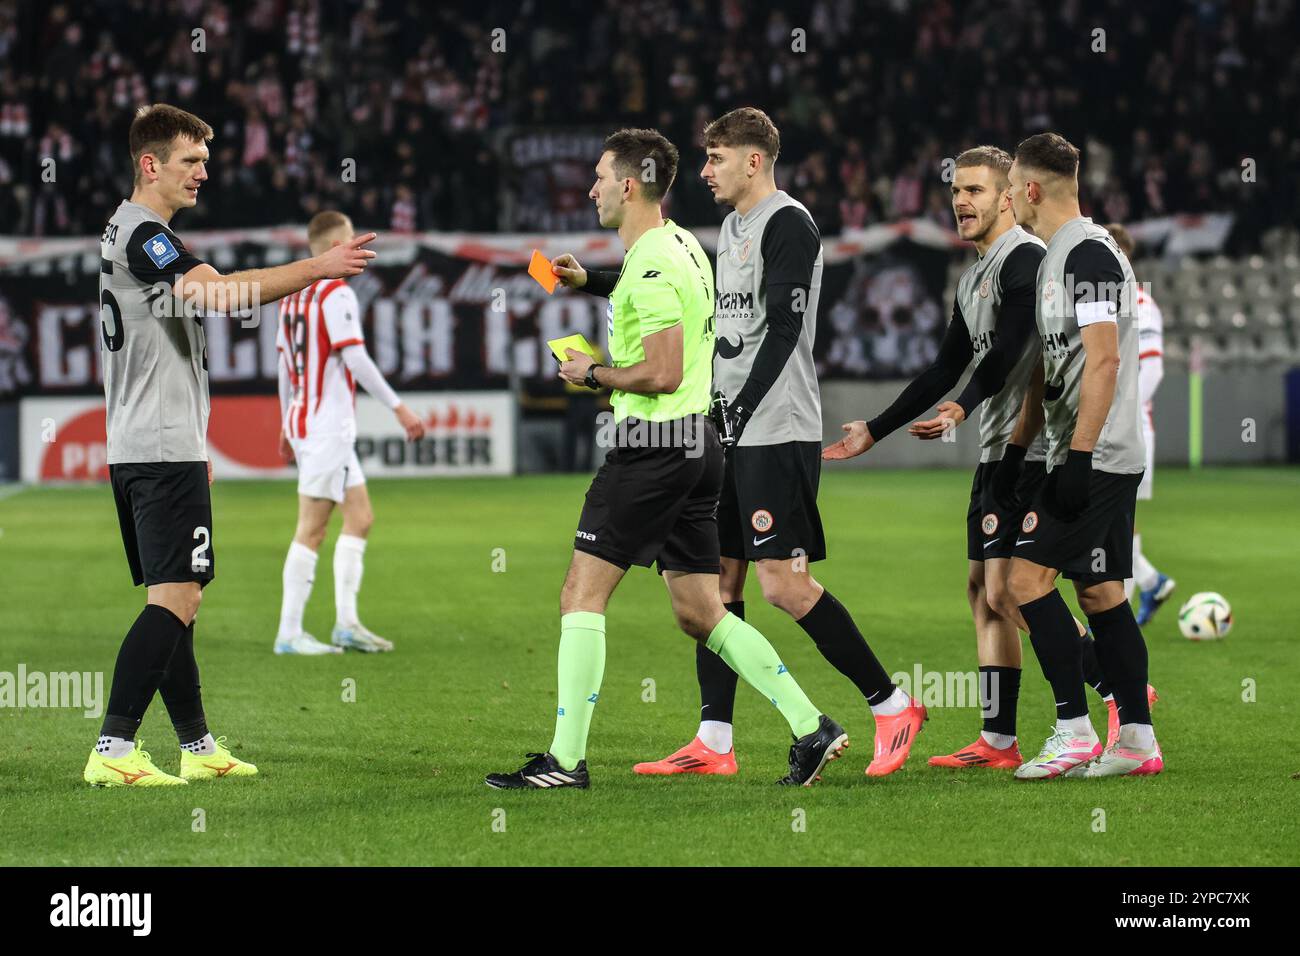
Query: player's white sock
[(1130, 586), (203, 746), (1144, 572), (347, 576), (114, 747), (299, 573), (1001, 741), (716, 735), (1138, 736), (1077, 726), (894, 705)]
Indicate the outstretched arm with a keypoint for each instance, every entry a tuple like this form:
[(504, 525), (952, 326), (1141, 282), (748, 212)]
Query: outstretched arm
[(208, 289), (922, 392)]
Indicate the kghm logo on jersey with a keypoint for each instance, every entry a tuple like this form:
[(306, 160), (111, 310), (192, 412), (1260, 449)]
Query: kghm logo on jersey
[(737, 301), (990, 524), (761, 520), (161, 250), (1055, 343), (1030, 522)]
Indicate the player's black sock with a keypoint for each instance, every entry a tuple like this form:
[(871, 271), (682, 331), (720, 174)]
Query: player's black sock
[(999, 694), (180, 691), (717, 680), (141, 664), (832, 629), (1123, 655), (1055, 637), (1092, 672)]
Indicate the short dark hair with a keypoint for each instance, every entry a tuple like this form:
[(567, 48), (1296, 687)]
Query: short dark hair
[(154, 128), (746, 126), (645, 155), (995, 158), (1050, 152), (1122, 238), (325, 222)]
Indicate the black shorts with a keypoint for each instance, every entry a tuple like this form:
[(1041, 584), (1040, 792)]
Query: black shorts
[(1097, 545), (165, 512), (768, 507), (990, 529), (656, 504)]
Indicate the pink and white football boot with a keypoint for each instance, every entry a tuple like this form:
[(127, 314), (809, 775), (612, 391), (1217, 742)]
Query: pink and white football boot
[(1063, 752)]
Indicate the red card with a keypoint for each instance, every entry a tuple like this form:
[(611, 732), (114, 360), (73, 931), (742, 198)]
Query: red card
[(540, 269)]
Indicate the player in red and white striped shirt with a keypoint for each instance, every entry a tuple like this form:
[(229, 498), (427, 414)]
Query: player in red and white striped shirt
[(1155, 588), (322, 356)]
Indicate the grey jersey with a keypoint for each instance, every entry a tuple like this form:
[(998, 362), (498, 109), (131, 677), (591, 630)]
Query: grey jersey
[(980, 294), (768, 245), (154, 357), (1085, 279)]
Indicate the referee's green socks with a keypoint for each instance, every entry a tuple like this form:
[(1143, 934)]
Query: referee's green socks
[(748, 653), (581, 666)]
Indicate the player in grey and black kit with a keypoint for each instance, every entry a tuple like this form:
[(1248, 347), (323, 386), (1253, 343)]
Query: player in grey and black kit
[(991, 333), (152, 293), (768, 276), (1080, 522)]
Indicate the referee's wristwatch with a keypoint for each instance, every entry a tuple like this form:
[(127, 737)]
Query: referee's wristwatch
[(590, 379)]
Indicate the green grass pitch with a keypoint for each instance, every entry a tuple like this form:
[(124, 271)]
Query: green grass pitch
[(396, 777)]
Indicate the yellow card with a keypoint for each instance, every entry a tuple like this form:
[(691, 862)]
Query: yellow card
[(577, 342)]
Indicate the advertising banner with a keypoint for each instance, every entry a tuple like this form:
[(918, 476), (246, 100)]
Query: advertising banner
[(468, 434)]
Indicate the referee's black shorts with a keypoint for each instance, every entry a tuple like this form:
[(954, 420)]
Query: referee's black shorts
[(1098, 544), (656, 502), (991, 530), (768, 507), (164, 509)]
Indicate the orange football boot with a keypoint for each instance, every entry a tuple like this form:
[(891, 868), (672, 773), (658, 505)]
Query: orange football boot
[(982, 754), (695, 757), (894, 738)]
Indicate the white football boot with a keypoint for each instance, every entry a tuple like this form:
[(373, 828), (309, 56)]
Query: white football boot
[(1063, 752), (303, 643), (359, 638)]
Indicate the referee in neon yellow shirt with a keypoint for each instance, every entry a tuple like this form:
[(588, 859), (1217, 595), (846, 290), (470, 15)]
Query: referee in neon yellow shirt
[(654, 500)]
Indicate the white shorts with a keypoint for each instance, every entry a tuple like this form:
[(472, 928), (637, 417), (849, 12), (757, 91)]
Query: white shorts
[(327, 467), (1148, 476)]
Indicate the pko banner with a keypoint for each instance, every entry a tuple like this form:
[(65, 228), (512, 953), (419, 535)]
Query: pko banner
[(468, 434), (447, 311)]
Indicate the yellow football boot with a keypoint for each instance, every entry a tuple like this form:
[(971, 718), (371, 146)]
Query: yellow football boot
[(136, 769), (211, 766)]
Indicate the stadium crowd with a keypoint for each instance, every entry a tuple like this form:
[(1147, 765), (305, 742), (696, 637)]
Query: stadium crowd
[(419, 95)]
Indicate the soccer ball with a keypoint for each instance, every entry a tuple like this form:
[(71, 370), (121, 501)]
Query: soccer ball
[(1205, 616)]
